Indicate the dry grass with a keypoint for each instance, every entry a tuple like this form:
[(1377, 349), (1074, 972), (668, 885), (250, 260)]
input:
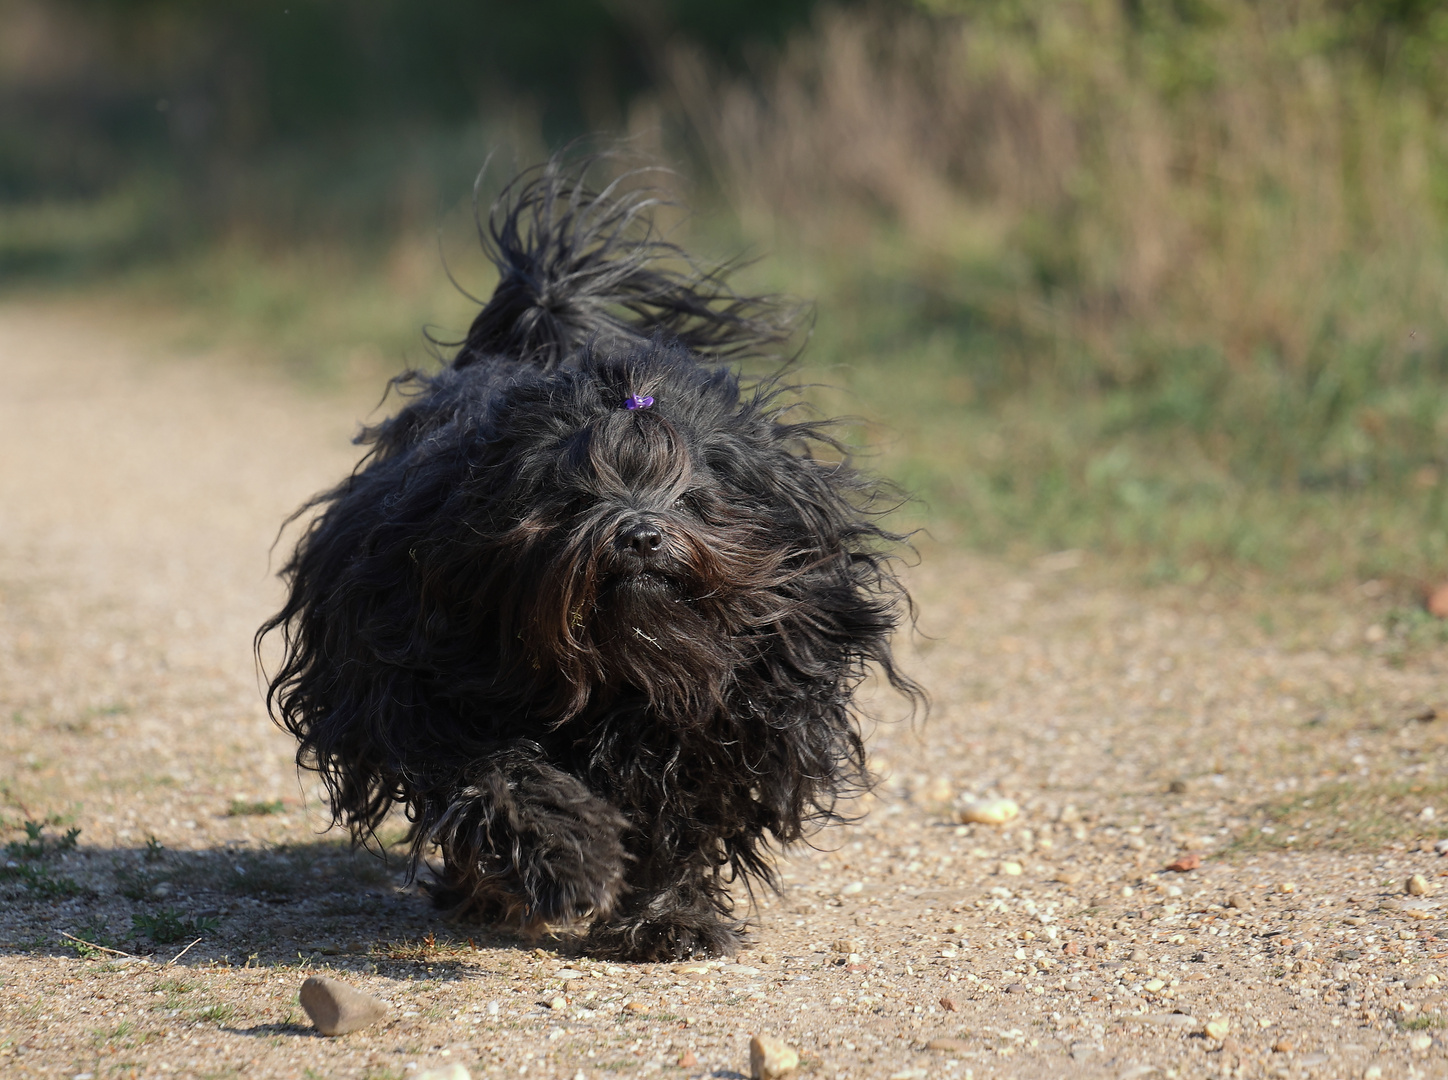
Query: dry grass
[(1169, 290), (1228, 186)]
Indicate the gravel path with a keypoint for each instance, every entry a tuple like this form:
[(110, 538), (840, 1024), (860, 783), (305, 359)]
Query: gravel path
[(1293, 746)]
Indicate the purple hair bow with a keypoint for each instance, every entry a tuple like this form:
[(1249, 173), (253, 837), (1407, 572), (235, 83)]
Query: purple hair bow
[(635, 401)]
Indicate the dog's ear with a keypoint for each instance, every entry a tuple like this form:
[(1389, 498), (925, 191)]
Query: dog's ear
[(349, 682), (838, 602)]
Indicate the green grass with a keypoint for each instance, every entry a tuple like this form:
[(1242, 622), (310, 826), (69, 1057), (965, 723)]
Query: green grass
[(216, 1013), (91, 935), (37, 845), (166, 926), (1419, 1023), (1172, 478), (27, 855), (1345, 816)]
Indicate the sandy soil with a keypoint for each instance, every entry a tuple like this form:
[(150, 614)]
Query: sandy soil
[(1296, 744)]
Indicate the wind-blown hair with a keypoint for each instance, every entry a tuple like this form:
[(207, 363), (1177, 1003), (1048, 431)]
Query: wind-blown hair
[(591, 611)]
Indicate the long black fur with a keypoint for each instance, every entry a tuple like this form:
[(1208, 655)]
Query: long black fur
[(601, 656)]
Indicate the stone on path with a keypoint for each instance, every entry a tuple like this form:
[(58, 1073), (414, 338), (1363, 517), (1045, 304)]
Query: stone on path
[(455, 1071), (988, 811), (336, 1008), (770, 1058), (1217, 1027)]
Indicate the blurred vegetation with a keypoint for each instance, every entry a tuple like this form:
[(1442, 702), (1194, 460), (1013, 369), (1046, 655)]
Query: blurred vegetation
[(1162, 279)]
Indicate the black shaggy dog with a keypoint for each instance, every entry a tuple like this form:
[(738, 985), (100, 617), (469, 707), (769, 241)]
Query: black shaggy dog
[(592, 612)]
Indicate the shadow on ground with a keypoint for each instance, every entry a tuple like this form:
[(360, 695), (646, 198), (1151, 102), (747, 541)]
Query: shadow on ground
[(319, 903)]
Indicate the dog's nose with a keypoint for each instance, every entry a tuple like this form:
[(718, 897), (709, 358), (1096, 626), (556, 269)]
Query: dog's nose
[(644, 540)]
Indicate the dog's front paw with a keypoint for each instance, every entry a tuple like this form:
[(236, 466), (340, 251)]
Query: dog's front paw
[(531, 846), (677, 936)]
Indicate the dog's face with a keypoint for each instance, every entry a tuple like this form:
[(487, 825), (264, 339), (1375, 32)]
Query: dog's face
[(636, 550)]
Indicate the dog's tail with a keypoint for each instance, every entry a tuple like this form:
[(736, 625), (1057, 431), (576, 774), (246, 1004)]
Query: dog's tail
[(579, 265)]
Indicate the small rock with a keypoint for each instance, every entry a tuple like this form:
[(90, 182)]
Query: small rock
[(1217, 1027), (1238, 901), (687, 1060), (1421, 1041), (558, 1004), (988, 811), (1231, 1047), (1080, 1051), (568, 974), (455, 1071), (687, 969), (770, 1058), (1283, 1046), (1154, 986), (1441, 847), (1137, 955), (1373, 1072), (948, 1004), (849, 945), (1070, 877), (1011, 869), (1071, 948), (852, 889), (336, 1008), (1190, 861), (1437, 602), (1016, 988), (940, 790), (635, 1007), (1286, 886), (947, 1044), (1417, 885)]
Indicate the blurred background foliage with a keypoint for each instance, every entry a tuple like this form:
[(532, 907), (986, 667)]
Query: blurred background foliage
[(1163, 280)]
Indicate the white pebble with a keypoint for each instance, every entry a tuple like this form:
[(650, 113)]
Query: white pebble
[(988, 811)]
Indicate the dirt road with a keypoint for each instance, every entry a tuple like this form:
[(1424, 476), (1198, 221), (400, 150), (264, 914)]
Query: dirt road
[(1295, 745)]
